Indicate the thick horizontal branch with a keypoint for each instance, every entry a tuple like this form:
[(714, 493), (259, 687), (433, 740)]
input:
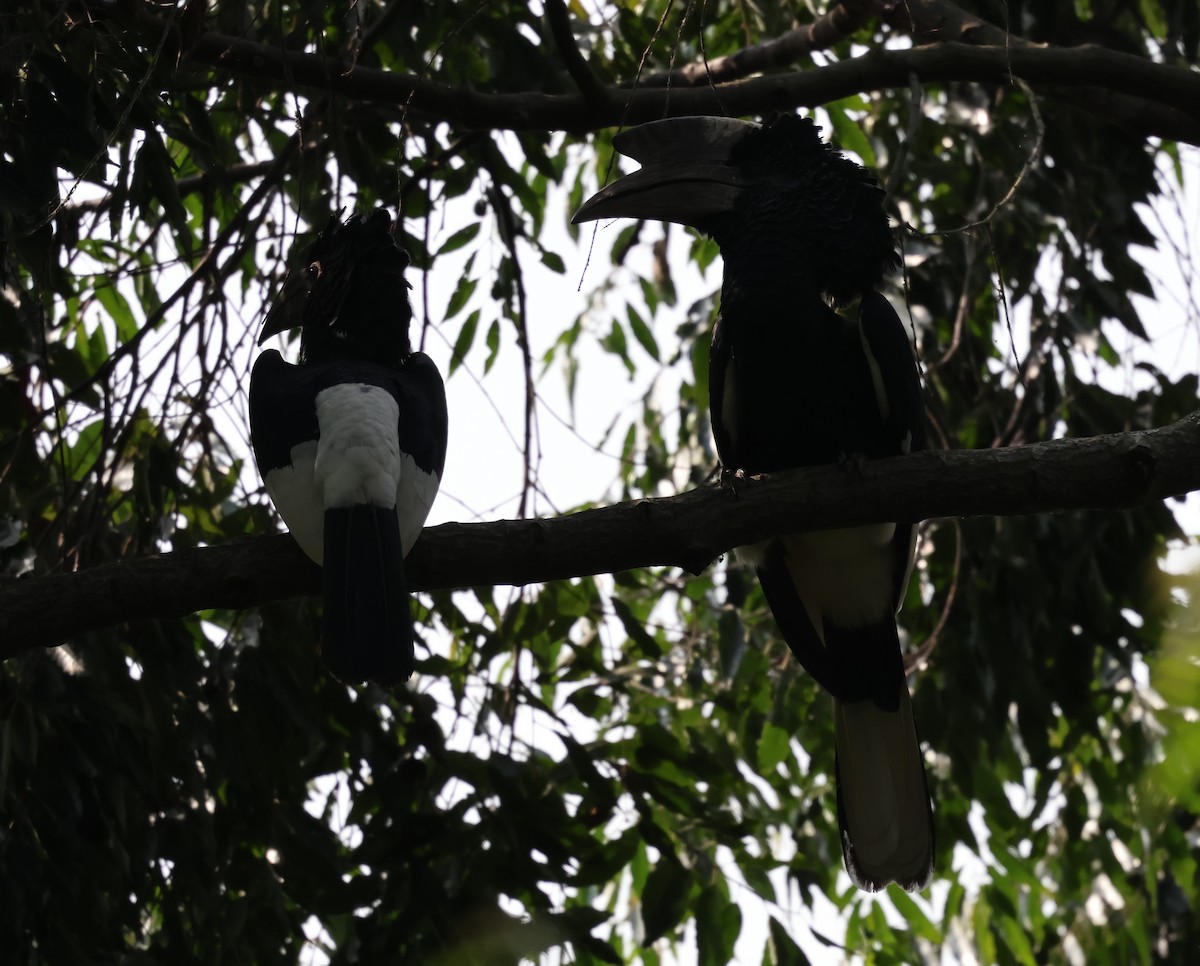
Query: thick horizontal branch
[(1136, 108), (687, 531), (1170, 96), (932, 22)]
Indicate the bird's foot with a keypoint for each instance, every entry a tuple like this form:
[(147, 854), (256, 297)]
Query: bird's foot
[(729, 479), (852, 464)]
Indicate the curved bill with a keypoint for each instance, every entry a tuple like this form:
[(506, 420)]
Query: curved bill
[(686, 176), (288, 310)]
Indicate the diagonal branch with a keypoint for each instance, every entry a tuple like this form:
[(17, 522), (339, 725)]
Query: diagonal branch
[(687, 531), (839, 22), (588, 83)]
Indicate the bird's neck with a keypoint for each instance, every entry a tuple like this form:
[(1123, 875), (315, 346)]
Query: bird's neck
[(766, 286), (389, 352)]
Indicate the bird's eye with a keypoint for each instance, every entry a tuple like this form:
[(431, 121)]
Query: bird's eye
[(314, 271)]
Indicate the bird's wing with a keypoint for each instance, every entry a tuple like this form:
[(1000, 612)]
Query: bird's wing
[(283, 433), (422, 432), (722, 395), (892, 355)]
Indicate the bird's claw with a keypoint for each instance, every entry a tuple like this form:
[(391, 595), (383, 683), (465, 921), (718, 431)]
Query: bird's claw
[(730, 478), (852, 464)]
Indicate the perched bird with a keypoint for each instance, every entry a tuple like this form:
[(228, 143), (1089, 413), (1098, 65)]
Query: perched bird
[(351, 442), (794, 383)]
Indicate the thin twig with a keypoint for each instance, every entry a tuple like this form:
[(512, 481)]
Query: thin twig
[(917, 660), (206, 265), (1012, 342), (1031, 159), (964, 305)]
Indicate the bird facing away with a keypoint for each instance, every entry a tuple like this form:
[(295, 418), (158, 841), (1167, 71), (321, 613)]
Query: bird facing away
[(794, 383), (351, 441)]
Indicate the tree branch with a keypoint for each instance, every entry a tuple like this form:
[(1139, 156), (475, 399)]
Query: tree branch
[(687, 531), (560, 29), (1139, 110), (840, 21), (1159, 100)]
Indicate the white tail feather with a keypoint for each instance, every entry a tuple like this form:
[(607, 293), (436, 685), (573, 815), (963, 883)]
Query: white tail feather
[(887, 834)]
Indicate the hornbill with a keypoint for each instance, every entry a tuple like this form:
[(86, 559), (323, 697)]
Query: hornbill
[(351, 442), (794, 383)]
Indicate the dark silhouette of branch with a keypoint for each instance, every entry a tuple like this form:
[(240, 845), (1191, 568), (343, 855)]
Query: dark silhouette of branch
[(206, 267), (188, 184), (1145, 97), (1139, 110), (687, 531), (839, 22), (559, 20)]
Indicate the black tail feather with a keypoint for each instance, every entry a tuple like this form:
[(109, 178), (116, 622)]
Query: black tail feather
[(368, 629)]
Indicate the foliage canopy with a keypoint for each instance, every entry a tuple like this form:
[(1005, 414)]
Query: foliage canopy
[(588, 765)]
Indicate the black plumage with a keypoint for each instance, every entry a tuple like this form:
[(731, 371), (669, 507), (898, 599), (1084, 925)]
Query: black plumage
[(792, 382), (351, 441)]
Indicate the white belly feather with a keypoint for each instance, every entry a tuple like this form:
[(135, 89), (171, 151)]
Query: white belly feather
[(358, 454), (356, 461)]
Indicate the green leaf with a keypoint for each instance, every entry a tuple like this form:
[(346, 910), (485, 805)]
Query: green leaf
[(462, 345), (773, 747), (847, 133), (492, 341), (155, 161), (458, 239), (615, 343), (1016, 940), (982, 923), (644, 642), (462, 294), (718, 924), (665, 898), (699, 354), (118, 309), (912, 914), (85, 451), (782, 947), (641, 332)]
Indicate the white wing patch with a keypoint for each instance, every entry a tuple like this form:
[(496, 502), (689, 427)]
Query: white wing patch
[(415, 492), (298, 500)]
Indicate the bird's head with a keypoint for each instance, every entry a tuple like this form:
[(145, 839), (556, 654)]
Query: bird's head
[(772, 189), (348, 294)]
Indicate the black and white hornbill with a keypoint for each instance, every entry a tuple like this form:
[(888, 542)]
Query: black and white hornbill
[(351, 442), (794, 383)]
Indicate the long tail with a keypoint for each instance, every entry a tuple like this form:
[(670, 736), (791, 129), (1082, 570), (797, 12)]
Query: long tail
[(883, 804), (368, 627)]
